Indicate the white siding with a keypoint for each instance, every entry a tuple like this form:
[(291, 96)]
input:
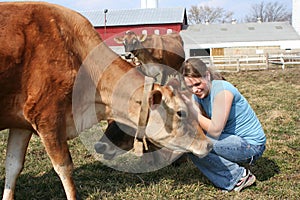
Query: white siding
[(296, 15)]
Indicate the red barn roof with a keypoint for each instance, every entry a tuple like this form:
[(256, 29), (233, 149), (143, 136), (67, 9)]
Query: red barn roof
[(146, 20)]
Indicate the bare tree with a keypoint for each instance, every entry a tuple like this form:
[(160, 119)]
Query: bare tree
[(269, 12), (202, 14)]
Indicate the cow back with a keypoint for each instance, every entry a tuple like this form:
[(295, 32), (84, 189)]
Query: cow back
[(168, 49)]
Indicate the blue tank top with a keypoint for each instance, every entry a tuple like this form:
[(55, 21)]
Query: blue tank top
[(242, 120)]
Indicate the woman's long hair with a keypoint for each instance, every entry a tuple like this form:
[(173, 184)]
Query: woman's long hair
[(196, 68)]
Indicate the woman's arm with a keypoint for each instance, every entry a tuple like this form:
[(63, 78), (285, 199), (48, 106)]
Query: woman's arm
[(221, 109)]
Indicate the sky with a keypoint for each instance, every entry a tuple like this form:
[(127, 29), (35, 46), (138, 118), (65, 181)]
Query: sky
[(239, 7)]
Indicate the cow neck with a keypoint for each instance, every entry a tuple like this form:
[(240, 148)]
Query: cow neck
[(143, 119), (145, 56)]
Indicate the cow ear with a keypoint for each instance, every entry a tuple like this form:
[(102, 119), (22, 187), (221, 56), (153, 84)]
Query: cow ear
[(155, 99), (174, 83), (119, 40), (142, 38)]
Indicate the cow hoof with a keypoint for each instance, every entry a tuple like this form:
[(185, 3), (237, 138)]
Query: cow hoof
[(102, 148)]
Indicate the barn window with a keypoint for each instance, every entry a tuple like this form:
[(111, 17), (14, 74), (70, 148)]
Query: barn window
[(223, 29), (278, 27), (156, 31), (199, 52), (144, 32), (169, 31), (251, 28)]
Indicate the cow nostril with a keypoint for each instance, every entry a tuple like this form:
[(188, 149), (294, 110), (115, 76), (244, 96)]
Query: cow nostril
[(100, 147), (209, 146), (182, 114)]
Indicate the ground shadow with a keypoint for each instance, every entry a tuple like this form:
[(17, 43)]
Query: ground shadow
[(95, 176), (265, 168)]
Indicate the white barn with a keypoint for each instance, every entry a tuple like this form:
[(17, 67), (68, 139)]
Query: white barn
[(240, 39)]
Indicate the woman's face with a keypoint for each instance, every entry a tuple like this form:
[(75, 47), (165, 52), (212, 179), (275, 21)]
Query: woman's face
[(198, 86)]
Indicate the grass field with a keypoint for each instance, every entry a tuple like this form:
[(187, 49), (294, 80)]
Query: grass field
[(274, 95)]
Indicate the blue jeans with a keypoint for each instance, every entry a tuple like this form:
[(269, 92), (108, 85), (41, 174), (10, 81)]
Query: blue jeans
[(221, 165)]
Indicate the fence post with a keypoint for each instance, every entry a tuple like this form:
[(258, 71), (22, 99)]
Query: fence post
[(238, 64), (282, 61), (267, 60)]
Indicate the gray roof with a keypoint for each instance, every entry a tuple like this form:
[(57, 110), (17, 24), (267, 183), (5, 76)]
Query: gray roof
[(244, 32), (136, 16)]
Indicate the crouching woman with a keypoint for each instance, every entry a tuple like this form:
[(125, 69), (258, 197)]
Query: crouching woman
[(237, 135)]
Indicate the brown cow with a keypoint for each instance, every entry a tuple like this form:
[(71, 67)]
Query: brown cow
[(155, 52), (164, 49), (58, 78)]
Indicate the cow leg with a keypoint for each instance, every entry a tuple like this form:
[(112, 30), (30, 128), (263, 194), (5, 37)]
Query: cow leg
[(117, 139), (15, 155), (58, 151)]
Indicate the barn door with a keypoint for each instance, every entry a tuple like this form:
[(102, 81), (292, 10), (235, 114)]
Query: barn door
[(217, 52), (218, 58)]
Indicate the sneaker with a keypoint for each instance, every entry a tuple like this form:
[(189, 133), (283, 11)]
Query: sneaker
[(245, 181)]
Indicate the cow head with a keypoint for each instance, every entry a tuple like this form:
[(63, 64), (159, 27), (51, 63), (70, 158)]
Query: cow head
[(131, 42), (182, 132), (170, 125)]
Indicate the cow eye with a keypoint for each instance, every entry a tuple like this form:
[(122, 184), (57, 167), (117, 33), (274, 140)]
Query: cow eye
[(181, 114)]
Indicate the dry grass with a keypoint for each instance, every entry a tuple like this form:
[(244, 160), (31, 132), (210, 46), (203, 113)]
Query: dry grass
[(274, 95)]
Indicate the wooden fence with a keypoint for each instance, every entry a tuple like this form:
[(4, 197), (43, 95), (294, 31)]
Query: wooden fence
[(247, 63)]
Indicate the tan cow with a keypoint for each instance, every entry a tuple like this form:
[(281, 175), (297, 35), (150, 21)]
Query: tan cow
[(58, 78), (161, 56), (164, 49)]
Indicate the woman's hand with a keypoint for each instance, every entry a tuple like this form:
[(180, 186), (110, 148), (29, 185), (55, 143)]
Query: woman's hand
[(192, 105)]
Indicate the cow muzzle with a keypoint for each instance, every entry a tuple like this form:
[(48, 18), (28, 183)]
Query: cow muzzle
[(129, 55), (201, 148)]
